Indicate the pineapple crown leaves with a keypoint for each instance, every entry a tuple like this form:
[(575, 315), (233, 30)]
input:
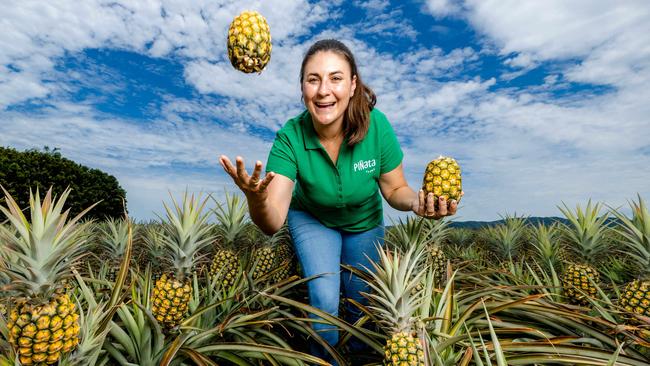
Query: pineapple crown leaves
[(114, 236), (187, 231), (506, 238), (437, 230), (43, 248), (585, 231), (636, 233), (546, 241), (152, 238), (261, 240), (461, 237), (406, 234), (392, 279), (232, 220)]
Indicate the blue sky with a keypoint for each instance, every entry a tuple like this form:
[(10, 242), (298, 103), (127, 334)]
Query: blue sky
[(541, 102)]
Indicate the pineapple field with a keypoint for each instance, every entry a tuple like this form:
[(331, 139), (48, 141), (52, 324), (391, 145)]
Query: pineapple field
[(204, 286)]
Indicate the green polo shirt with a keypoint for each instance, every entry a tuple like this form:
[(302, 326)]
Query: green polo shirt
[(344, 195)]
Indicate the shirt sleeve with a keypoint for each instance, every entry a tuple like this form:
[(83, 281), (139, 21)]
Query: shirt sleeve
[(391, 152), (282, 159)]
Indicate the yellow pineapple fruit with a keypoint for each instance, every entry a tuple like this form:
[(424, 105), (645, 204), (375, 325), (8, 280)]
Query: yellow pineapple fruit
[(249, 42), (442, 178), (43, 321)]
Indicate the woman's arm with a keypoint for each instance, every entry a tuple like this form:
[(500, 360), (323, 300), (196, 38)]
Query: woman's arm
[(268, 199), (400, 196)]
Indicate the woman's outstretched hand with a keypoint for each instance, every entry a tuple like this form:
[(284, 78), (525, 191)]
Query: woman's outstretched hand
[(251, 185), (424, 206)]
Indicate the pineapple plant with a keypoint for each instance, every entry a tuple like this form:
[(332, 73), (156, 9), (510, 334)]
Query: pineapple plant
[(187, 231), (113, 238), (232, 223), (505, 240), (548, 249), (635, 234), (154, 249), (442, 178), (249, 42), (43, 321), (418, 233), (395, 304), (584, 235)]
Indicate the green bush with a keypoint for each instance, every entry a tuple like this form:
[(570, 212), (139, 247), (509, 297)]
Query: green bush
[(31, 169)]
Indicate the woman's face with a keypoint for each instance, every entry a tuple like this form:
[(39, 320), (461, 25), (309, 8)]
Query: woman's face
[(327, 87)]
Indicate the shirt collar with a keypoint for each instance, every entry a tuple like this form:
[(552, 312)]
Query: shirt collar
[(309, 133), (311, 138)]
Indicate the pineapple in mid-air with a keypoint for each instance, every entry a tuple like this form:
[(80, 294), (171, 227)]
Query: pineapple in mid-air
[(635, 235), (584, 235), (442, 177), (249, 42), (43, 320), (187, 231), (232, 223), (394, 302)]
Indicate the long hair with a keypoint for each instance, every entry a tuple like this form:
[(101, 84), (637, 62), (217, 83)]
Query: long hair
[(357, 115)]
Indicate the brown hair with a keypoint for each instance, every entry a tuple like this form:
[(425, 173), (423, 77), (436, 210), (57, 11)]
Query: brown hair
[(357, 115)]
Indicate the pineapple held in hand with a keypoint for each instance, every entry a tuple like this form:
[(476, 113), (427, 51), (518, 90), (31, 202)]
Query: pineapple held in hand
[(249, 42), (38, 254), (442, 177)]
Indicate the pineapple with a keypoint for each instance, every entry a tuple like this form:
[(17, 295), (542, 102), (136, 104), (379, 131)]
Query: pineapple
[(284, 258), (635, 234), (43, 321), (584, 235), (442, 177), (394, 303), (271, 253), (186, 232), (249, 42), (232, 224)]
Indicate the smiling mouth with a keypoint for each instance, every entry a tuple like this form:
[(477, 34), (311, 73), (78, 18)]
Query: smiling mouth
[(324, 105)]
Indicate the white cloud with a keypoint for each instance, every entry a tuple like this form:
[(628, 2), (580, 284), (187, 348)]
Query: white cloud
[(610, 39), (442, 8)]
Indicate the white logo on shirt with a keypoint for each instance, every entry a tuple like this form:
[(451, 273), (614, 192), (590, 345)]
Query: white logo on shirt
[(364, 164)]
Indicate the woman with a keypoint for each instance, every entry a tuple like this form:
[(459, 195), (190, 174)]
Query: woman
[(322, 175)]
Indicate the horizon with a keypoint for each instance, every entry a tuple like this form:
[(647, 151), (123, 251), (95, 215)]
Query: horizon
[(540, 103)]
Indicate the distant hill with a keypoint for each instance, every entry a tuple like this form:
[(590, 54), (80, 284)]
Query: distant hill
[(530, 220)]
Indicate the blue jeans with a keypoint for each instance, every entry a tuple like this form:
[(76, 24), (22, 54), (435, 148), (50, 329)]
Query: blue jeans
[(321, 251)]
